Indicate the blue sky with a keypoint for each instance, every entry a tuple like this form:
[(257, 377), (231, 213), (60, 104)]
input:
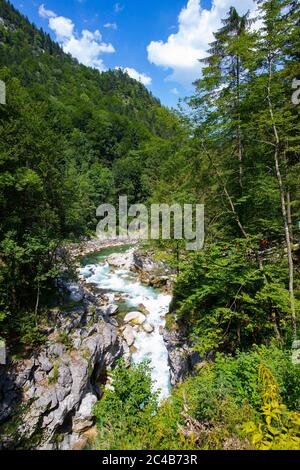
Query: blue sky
[(157, 41)]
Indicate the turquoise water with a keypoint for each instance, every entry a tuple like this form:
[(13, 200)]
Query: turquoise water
[(114, 282)]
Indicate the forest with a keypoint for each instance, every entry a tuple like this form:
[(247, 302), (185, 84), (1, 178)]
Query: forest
[(72, 138)]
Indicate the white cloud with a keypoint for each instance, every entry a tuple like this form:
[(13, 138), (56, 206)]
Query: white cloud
[(87, 47), (46, 13), (111, 26), (63, 27), (140, 77), (196, 25), (174, 91)]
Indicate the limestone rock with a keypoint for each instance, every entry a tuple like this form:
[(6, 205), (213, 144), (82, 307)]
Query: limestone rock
[(121, 260), (136, 318), (84, 418), (45, 364), (76, 292), (182, 359), (129, 335)]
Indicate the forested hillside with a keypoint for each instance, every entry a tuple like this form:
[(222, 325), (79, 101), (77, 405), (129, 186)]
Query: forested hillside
[(71, 139)]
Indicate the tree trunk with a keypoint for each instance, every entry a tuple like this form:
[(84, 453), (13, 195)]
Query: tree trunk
[(37, 304), (283, 206), (239, 132)]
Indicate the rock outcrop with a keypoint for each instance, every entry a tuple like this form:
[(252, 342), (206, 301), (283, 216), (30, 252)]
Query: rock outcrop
[(51, 394), (151, 272), (182, 359), (46, 401)]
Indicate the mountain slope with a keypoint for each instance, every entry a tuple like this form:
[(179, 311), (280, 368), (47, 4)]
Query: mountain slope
[(71, 139)]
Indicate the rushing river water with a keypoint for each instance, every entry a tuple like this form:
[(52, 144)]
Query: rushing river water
[(115, 282)]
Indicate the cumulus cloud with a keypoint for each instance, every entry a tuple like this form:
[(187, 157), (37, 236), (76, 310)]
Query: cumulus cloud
[(196, 25), (140, 77), (63, 27), (174, 91), (87, 46)]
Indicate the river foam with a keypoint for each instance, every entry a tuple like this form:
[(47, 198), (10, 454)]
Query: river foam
[(148, 346)]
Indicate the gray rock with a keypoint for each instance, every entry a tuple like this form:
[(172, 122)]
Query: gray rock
[(84, 417), (77, 343), (61, 393), (112, 310), (56, 387), (45, 364), (76, 292), (56, 349), (121, 260), (129, 335), (64, 376), (113, 321), (148, 328), (47, 401), (182, 359)]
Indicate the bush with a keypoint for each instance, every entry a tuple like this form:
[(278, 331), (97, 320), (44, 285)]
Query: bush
[(208, 411), (125, 411), (279, 429)]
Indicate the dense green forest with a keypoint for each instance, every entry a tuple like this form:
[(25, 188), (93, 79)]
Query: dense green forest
[(72, 138)]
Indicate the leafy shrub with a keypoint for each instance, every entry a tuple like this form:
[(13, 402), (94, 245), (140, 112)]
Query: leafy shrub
[(280, 428), (218, 400), (125, 411)]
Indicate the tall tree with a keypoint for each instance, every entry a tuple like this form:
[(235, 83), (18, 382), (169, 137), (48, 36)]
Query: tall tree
[(226, 71), (270, 60)]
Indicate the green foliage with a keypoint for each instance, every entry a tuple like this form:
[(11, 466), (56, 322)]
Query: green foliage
[(208, 411), (64, 339), (71, 139), (225, 299), (125, 410), (53, 378), (280, 429)]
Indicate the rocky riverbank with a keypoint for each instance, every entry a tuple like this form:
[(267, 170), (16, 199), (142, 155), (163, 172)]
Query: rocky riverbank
[(47, 400)]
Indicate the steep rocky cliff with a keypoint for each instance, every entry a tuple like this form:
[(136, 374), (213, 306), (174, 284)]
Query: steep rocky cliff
[(47, 399)]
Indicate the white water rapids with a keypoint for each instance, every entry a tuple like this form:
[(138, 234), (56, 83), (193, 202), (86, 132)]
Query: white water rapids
[(147, 346)]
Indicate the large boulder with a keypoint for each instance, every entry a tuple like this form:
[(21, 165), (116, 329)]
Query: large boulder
[(121, 260), (135, 318), (76, 292), (148, 328)]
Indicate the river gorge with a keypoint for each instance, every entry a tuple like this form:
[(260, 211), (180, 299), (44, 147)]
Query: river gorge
[(114, 276), (114, 308)]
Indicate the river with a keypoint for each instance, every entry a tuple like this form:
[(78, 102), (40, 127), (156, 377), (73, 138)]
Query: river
[(122, 283)]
